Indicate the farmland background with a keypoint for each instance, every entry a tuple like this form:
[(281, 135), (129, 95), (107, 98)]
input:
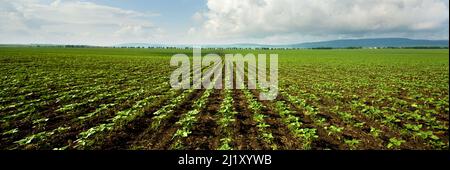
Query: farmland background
[(105, 98)]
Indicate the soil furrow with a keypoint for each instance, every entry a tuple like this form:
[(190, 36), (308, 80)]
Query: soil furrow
[(245, 130)]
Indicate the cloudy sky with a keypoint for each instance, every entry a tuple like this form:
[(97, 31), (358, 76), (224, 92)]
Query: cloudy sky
[(111, 22)]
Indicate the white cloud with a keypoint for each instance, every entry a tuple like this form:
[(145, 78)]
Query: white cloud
[(74, 22), (275, 21), (198, 17)]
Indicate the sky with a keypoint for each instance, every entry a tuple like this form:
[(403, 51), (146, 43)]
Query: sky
[(112, 22)]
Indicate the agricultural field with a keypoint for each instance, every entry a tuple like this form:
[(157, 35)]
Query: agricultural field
[(107, 98)]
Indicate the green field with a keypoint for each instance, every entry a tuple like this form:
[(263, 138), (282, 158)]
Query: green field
[(105, 98)]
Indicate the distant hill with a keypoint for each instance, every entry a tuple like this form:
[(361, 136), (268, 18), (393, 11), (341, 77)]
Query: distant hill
[(140, 45), (376, 42), (345, 43)]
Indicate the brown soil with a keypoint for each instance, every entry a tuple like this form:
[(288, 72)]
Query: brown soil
[(161, 138), (205, 133), (245, 130)]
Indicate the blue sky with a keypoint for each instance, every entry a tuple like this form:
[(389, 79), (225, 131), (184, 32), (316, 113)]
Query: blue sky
[(175, 15), (111, 22)]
